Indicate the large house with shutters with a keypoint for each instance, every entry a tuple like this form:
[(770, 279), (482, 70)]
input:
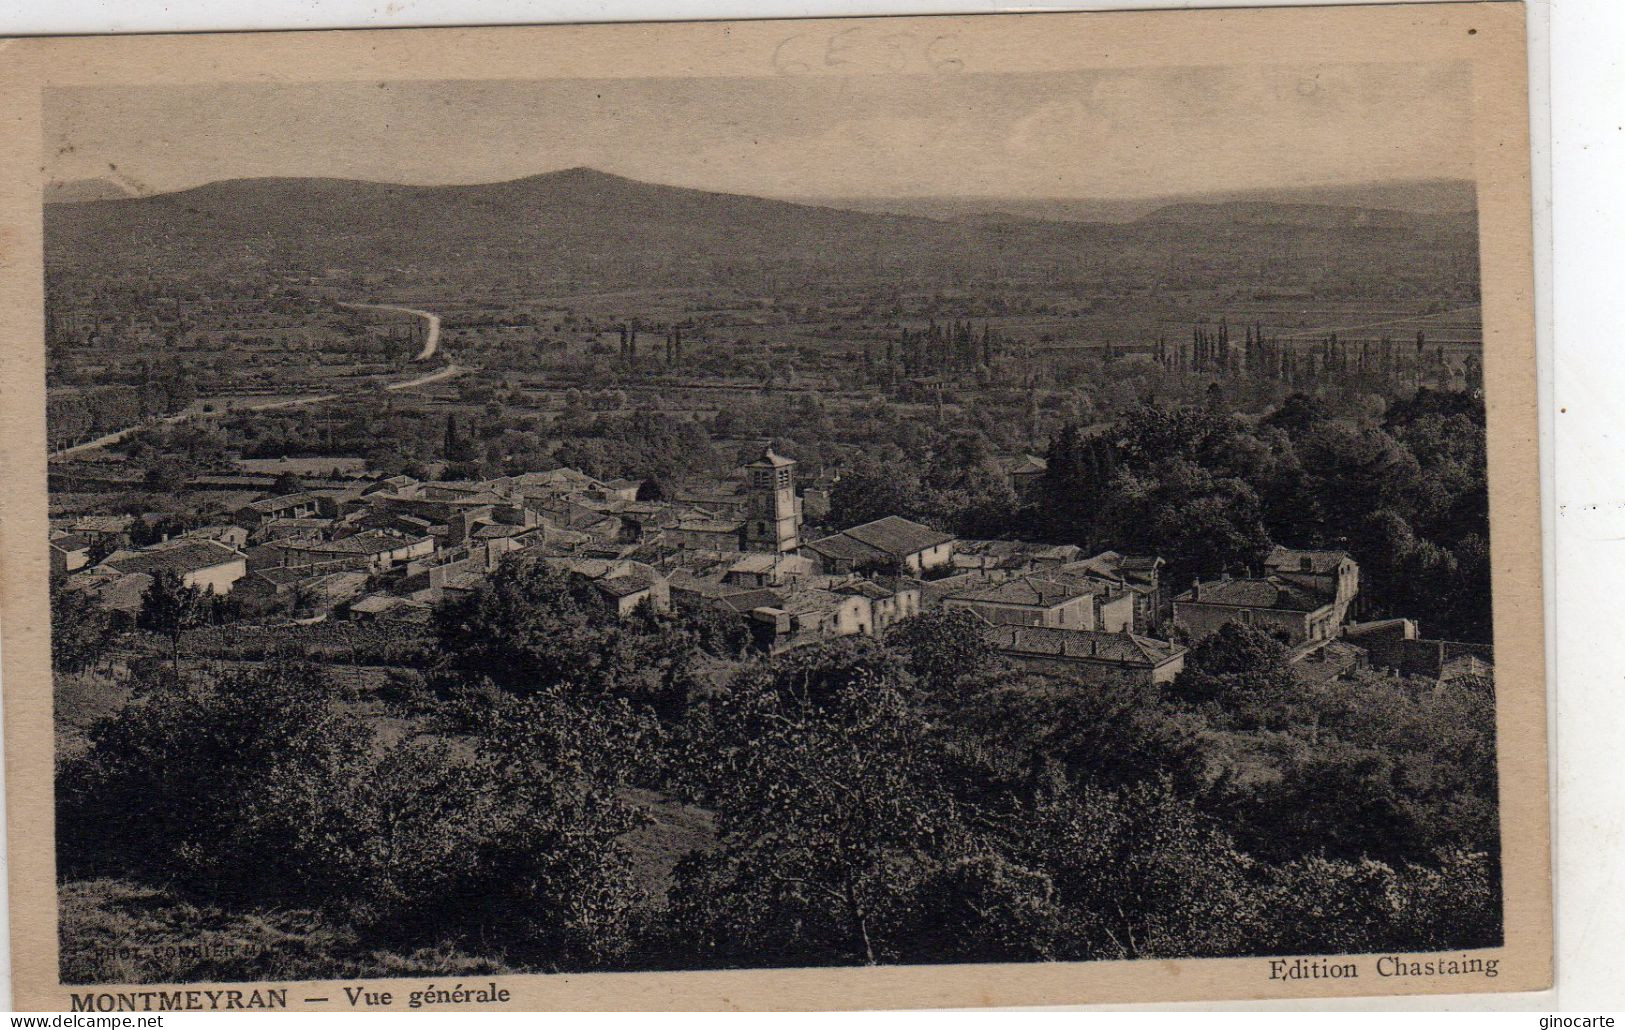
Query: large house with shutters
[(1303, 596)]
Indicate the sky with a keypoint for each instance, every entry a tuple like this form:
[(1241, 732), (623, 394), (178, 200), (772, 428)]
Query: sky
[(1092, 134)]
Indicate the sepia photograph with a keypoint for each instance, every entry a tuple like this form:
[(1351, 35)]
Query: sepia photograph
[(779, 517)]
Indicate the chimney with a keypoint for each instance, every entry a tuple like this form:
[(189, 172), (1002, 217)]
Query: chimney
[(1196, 589)]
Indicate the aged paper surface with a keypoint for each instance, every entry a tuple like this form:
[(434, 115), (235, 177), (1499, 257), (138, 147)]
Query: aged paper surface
[(353, 704)]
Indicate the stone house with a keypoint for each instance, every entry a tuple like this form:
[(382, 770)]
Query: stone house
[(706, 534), (1330, 574), (888, 605), (1089, 655), (104, 530), (621, 585), (373, 548), (1052, 600), (1140, 575), (768, 569), (1022, 472), (288, 506), (893, 540), (1398, 645), (204, 564), (1284, 609), (70, 552)]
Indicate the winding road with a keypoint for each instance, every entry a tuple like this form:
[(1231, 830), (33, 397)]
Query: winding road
[(431, 339), (431, 344)]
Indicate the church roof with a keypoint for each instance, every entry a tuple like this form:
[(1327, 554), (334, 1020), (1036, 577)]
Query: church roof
[(770, 460)]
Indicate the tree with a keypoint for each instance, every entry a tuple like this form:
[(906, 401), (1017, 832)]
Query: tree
[(872, 489), (166, 475), (170, 608), (79, 630), (827, 812), (1298, 414), (1139, 872), (1350, 471), (942, 646), (1070, 491), (531, 626), (305, 597), (1235, 650), (713, 631), (1202, 523), (1150, 434), (1322, 906), (1112, 734), (262, 789), (983, 907), (1241, 675), (287, 483), (1340, 801), (548, 872), (165, 788), (1440, 740)]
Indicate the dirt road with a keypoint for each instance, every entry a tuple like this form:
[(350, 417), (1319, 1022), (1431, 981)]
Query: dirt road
[(431, 344), (431, 338)]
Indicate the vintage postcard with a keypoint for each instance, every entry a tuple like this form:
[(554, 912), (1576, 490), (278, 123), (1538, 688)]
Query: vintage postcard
[(991, 510)]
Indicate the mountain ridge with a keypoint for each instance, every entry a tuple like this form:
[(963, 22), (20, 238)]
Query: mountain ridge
[(78, 191), (1419, 196), (1427, 197), (587, 225), (1258, 212)]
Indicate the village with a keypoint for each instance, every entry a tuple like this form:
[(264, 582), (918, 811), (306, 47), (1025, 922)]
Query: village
[(387, 549), (545, 560)]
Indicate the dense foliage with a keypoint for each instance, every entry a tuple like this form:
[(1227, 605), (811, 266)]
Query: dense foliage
[(909, 799), (78, 630), (1211, 492)]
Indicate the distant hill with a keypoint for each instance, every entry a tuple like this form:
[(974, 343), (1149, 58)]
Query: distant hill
[(76, 191), (575, 219), (1318, 216), (1431, 197), (591, 227)]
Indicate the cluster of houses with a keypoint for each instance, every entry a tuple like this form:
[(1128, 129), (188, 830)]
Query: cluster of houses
[(392, 548)]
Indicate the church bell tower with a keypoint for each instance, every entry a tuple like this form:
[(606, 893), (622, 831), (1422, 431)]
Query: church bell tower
[(774, 523)]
